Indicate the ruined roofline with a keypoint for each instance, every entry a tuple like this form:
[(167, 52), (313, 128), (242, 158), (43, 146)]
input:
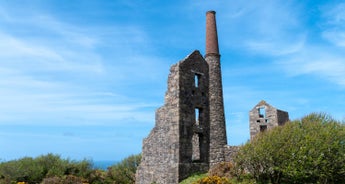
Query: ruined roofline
[(264, 103), (189, 55)]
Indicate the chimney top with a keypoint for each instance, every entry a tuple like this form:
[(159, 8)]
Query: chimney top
[(211, 11), (211, 34)]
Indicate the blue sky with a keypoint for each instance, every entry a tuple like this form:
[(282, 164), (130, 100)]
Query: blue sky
[(83, 78)]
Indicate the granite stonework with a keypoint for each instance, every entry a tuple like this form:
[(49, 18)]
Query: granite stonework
[(218, 138), (264, 117), (179, 143)]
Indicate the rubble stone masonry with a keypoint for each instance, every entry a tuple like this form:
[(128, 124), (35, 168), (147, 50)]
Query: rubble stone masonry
[(178, 145)]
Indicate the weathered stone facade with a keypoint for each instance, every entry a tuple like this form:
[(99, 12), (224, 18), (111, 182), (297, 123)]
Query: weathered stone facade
[(179, 143), (264, 117), (230, 152), (189, 135)]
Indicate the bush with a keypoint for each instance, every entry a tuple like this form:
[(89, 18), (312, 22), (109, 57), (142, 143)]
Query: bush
[(124, 172), (213, 180), (51, 169), (310, 150), (193, 178), (226, 169), (34, 170)]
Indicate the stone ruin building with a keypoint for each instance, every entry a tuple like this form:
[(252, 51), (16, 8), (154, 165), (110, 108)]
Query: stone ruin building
[(264, 117), (189, 134)]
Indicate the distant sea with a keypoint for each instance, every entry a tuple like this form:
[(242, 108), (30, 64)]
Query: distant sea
[(103, 164)]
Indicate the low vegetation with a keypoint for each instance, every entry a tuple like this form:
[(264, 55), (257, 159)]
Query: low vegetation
[(194, 178), (308, 150), (52, 169)]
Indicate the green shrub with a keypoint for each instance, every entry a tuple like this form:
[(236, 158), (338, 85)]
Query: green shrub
[(124, 172), (193, 178), (34, 170), (213, 180), (310, 150)]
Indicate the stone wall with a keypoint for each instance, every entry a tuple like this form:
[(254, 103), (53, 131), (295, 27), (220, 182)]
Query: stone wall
[(178, 145), (264, 117), (160, 148), (230, 152)]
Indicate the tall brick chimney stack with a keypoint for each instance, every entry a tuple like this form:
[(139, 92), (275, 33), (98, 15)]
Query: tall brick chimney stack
[(211, 34), (218, 139)]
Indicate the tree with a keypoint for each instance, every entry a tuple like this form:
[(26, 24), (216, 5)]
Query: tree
[(309, 150)]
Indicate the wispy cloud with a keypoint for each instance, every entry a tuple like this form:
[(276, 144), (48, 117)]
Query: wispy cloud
[(317, 61), (333, 24), (274, 48), (277, 31), (262, 27), (56, 72)]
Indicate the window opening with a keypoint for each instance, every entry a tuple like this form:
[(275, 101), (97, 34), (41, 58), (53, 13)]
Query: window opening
[(262, 112), (196, 147), (197, 116), (196, 80), (263, 128)]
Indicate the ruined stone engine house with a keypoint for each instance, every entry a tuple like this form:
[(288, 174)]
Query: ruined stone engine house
[(189, 135)]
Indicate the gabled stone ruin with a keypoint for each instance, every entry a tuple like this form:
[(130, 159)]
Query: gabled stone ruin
[(179, 142), (264, 117), (189, 135)]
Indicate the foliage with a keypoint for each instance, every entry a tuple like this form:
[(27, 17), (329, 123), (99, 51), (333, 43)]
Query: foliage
[(124, 172), (309, 150), (226, 169), (193, 178), (32, 170), (51, 169), (213, 180)]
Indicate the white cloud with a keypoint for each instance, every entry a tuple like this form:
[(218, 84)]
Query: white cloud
[(317, 61), (57, 73), (13, 47), (334, 23), (272, 28), (336, 37), (334, 13), (275, 48)]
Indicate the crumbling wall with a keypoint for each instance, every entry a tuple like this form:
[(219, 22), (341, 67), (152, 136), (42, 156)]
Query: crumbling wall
[(178, 145), (160, 149)]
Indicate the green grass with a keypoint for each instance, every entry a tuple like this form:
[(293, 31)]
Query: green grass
[(197, 177), (193, 178)]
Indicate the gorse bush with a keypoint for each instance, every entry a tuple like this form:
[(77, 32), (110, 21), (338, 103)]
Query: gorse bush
[(213, 180), (309, 150)]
